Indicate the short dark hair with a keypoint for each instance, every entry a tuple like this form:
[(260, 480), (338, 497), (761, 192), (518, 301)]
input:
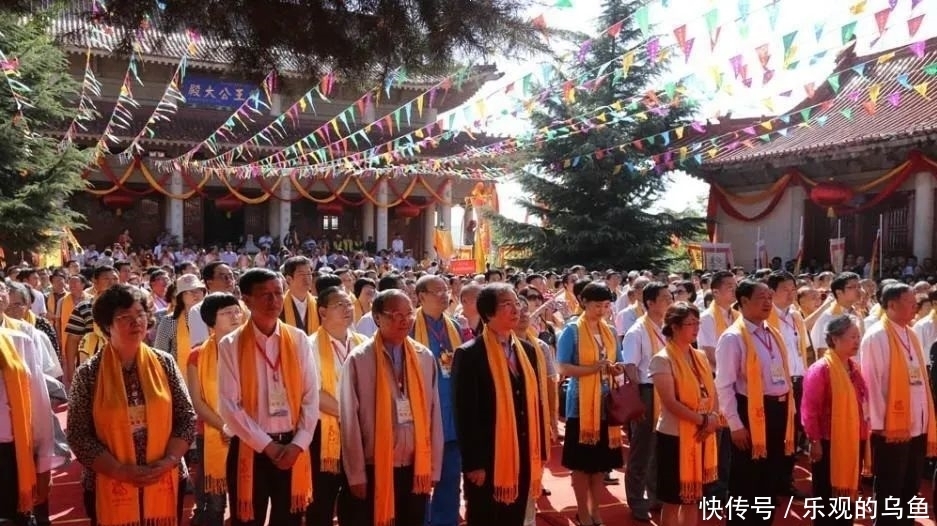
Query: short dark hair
[(208, 271), (213, 303), (487, 301), (24, 273), (383, 298), (389, 282), (322, 300), (254, 277), (291, 264), (652, 291), (121, 264), (530, 279), (117, 297), (881, 287), (746, 288), (100, 271), (893, 291), (716, 280), (779, 276), (361, 283), (676, 314), (328, 280), (841, 280), (595, 291), (491, 271)]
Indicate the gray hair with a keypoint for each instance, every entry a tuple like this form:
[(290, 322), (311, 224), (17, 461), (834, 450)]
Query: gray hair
[(838, 327), (23, 292)]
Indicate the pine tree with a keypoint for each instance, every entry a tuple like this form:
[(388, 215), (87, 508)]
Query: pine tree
[(591, 212), (37, 174)]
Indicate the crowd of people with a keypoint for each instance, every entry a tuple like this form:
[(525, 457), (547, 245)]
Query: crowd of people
[(379, 396)]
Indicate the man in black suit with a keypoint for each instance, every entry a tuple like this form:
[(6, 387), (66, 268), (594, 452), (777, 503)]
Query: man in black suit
[(497, 366)]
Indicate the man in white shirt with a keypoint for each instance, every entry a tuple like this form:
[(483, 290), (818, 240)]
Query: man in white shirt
[(926, 328), (273, 431), (756, 470), (790, 324), (846, 293), (397, 244), (217, 277), (897, 463), (629, 313), (640, 344), (299, 305), (711, 328), (366, 325)]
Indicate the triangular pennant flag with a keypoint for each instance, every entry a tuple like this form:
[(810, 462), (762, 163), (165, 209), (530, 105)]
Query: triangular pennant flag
[(903, 81), (539, 22), (881, 20), (764, 54), (848, 32), (615, 29), (869, 107), (774, 10), (679, 132), (712, 24), (821, 120), (917, 48), (914, 3), (885, 57), (653, 49), (874, 91), (680, 34), (931, 69), (788, 40), (914, 24), (563, 4), (921, 89), (642, 19), (767, 125), (805, 114), (859, 69), (688, 48), (858, 8), (834, 83), (818, 30), (846, 112), (895, 98), (811, 89), (783, 132)]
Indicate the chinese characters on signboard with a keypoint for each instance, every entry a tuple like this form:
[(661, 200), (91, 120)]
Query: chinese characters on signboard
[(215, 93)]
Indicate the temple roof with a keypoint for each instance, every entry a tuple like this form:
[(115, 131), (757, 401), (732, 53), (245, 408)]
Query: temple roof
[(840, 123)]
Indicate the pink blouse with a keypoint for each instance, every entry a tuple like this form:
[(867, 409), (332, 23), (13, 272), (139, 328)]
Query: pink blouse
[(816, 406)]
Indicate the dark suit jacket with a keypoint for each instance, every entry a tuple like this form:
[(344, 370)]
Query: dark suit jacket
[(474, 407)]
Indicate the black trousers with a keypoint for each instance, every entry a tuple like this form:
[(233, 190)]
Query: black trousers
[(898, 468), (765, 477), (270, 484), (326, 488), (823, 489), (88, 499), (409, 508), (9, 488), (797, 387), (481, 509)]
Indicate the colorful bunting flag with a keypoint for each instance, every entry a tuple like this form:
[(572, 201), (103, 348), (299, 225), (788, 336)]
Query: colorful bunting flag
[(881, 19), (914, 24), (848, 32)]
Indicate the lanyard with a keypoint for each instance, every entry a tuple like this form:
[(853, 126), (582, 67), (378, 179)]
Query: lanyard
[(906, 346), (401, 374), (766, 341), (440, 335), (659, 338), (274, 366), (791, 323), (343, 353)]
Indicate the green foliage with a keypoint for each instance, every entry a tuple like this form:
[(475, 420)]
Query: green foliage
[(591, 215), (37, 175)]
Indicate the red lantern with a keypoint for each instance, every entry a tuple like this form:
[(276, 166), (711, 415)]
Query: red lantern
[(332, 208), (118, 201), (407, 211), (830, 195), (229, 204)]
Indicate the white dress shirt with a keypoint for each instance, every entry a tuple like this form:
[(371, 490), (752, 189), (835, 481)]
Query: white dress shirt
[(818, 334), (198, 331), (340, 351), (255, 432), (366, 325), (731, 375), (301, 307), (625, 320), (788, 328), (43, 437), (637, 348), (708, 336), (926, 331), (875, 360)]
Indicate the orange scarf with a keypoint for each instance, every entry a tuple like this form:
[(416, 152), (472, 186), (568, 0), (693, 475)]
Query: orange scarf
[(697, 459), (301, 474), (183, 343), (720, 319), (16, 380), (507, 453), (774, 320), (844, 429), (421, 334), (68, 306), (118, 504), (590, 386), (415, 391), (756, 399), (312, 313), (331, 443), (654, 336), (571, 302), (531, 336), (216, 448), (898, 399)]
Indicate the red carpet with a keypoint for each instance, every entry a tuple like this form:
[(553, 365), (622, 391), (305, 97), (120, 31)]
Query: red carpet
[(556, 510)]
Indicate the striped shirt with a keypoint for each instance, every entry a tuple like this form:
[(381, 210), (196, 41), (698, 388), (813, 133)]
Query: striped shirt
[(80, 322)]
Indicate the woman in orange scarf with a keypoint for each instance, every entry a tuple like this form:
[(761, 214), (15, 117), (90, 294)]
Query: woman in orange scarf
[(221, 313), (834, 418), (686, 443), (588, 352), (130, 420)]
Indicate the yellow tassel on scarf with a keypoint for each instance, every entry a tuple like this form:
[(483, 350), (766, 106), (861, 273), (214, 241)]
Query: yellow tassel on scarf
[(16, 381), (216, 448), (898, 400), (590, 386), (844, 429), (331, 439)]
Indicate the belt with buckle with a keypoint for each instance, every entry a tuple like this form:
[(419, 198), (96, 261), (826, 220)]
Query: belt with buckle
[(779, 399), (282, 438)]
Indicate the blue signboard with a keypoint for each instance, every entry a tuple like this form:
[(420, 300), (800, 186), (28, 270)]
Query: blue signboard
[(216, 93)]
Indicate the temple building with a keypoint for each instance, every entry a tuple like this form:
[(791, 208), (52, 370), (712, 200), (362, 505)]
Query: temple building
[(858, 150), (163, 170)]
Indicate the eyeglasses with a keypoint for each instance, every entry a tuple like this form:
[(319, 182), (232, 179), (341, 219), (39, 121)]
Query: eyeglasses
[(508, 304), (341, 305), (400, 316), (129, 319)]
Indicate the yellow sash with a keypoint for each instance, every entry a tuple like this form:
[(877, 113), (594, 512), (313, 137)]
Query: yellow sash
[(844, 429), (329, 432), (421, 334), (898, 399), (16, 380), (802, 342), (312, 313), (590, 386), (183, 343), (653, 335), (216, 447), (118, 503)]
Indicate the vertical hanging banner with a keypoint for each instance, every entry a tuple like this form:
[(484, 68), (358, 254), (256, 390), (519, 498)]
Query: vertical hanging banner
[(837, 253)]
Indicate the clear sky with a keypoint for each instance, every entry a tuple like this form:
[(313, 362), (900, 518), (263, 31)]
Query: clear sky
[(818, 26)]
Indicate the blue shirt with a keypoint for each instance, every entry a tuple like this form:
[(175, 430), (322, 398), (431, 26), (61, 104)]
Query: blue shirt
[(567, 352), (439, 345)]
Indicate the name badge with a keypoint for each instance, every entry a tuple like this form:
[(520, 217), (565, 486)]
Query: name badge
[(277, 402), (404, 411), (778, 377), (445, 363), (137, 418), (914, 375)]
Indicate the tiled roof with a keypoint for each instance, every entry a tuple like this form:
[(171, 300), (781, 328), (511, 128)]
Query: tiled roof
[(830, 130), (73, 28)]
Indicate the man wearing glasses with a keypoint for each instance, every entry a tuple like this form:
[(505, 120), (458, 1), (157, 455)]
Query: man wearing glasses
[(846, 293), (217, 277)]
